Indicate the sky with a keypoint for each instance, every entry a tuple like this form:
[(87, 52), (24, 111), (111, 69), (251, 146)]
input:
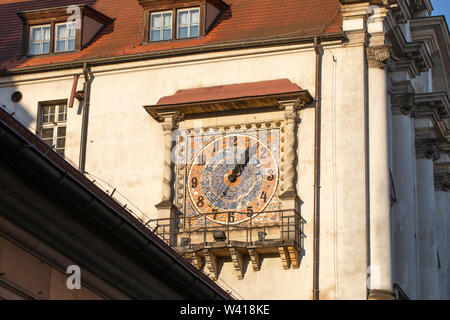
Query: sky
[(441, 7)]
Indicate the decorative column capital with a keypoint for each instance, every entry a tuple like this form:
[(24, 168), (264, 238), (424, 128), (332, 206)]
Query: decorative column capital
[(378, 56), (170, 121)]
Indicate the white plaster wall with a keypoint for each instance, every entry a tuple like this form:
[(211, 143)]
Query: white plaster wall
[(125, 148)]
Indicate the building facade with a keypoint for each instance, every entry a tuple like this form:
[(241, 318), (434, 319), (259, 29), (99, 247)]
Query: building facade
[(294, 150)]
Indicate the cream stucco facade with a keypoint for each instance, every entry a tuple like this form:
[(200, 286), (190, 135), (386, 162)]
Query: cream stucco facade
[(369, 237)]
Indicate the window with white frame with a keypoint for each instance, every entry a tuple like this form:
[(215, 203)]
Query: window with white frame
[(65, 37), (161, 26), (39, 42), (53, 122), (188, 23)]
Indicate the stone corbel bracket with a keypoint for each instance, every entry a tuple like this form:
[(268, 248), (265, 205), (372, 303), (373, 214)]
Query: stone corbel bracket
[(402, 98), (426, 144)]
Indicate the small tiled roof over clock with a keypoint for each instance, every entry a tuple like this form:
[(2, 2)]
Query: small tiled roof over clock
[(240, 21)]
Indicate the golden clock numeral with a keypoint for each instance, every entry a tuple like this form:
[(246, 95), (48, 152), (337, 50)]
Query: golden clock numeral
[(200, 202), (263, 196), (194, 182)]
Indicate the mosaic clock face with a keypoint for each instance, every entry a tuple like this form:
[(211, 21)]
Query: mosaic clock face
[(232, 177)]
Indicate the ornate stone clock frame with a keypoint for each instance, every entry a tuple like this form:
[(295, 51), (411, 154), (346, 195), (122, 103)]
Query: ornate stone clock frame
[(201, 245)]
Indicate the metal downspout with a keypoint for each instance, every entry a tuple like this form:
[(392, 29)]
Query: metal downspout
[(317, 123), (84, 126)]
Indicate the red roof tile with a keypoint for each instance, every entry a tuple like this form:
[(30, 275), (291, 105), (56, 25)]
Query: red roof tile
[(233, 91), (244, 20)]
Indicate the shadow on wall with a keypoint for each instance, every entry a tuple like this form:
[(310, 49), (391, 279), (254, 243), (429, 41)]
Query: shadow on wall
[(10, 101)]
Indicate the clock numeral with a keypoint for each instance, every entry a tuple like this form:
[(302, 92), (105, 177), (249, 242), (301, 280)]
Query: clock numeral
[(233, 141), (216, 147), (200, 201), (249, 211), (271, 176), (201, 160), (263, 153), (264, 196), (194, 182), (231, 217)]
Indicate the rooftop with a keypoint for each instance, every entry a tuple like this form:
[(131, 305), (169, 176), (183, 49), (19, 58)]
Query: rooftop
[(243, 20)]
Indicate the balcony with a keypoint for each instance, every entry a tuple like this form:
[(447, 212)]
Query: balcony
[(204, 242)]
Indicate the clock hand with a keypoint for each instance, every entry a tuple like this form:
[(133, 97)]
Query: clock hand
[(239, 167)]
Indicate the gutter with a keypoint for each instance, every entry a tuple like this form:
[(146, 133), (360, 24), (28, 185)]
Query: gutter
[(337, 36), (317, 137), (27, 150)]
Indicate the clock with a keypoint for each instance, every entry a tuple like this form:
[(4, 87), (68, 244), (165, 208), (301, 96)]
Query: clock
[(232, 177)]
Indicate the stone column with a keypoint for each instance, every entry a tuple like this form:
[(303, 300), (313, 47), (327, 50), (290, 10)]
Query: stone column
[(289, 146), (404, 217), (426, 153), (166, 209), (380, 282), (442, 187)]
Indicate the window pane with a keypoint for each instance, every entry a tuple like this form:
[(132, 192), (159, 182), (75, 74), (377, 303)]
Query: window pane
[(194, 17), (61, 31), (60, 143), (155, 35), (62, 115), (36, 34), (72, 30), (47, 136), (183, 32), (61, 132), (35, 48), (156, 21), (46, 47), (167, 35), (183, 17), (60, 45), (71, 45), (194, 31), (167, 20), (47, 33)]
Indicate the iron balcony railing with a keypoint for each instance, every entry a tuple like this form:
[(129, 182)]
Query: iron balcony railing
[(181, 230)]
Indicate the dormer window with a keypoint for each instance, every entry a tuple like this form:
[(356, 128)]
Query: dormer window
[(39, 40), (65, 36), (188, 23), (178, 20), (61, 29), (161, 26)]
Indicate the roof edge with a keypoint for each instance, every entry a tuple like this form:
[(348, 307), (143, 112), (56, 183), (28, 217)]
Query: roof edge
[(335, 36)]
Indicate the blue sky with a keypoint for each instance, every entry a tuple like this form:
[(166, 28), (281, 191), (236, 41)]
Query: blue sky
[(441, 7)]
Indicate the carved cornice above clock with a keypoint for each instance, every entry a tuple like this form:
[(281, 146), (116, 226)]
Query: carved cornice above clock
[(442, 176), (244, 96)]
